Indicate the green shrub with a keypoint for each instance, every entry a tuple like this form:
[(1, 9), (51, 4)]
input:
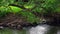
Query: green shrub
[(27, 8)]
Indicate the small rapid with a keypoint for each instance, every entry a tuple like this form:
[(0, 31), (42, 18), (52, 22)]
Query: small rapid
[(44, 29), (40, 29)]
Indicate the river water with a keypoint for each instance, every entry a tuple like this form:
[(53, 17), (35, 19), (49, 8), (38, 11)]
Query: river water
[(39, 29), (44, 29)]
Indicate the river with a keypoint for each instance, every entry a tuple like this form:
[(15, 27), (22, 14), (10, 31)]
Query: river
[(39, 29), (44, 29)]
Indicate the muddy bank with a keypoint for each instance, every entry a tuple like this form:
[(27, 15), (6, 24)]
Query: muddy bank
[(18, 22), (14, 21)]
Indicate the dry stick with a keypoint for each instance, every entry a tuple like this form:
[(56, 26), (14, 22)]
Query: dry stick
[(13, 21)]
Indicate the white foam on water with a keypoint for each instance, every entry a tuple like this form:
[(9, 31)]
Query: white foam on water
[(40, 29), (58, 32)]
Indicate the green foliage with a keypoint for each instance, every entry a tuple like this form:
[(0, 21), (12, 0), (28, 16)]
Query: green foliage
[(30, 6), (14, 9), (6, 2)]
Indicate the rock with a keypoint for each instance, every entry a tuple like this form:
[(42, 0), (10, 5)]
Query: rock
[(19, 27), (1, 27)]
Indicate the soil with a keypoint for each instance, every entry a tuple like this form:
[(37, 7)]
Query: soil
[(18, 22), (14, 21)]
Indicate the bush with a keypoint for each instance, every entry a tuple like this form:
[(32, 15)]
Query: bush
[(27, 8)]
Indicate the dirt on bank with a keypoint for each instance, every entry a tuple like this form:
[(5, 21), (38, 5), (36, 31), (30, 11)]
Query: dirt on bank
[(18, 22), (14, 21)]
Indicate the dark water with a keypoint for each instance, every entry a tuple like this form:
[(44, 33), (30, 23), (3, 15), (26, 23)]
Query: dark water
[(39, 29)]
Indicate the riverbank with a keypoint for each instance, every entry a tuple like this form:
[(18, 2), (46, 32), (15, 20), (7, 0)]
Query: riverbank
[(15, 21)]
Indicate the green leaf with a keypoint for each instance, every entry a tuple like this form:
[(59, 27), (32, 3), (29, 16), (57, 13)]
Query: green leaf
[(15, 9), (29, 5)]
